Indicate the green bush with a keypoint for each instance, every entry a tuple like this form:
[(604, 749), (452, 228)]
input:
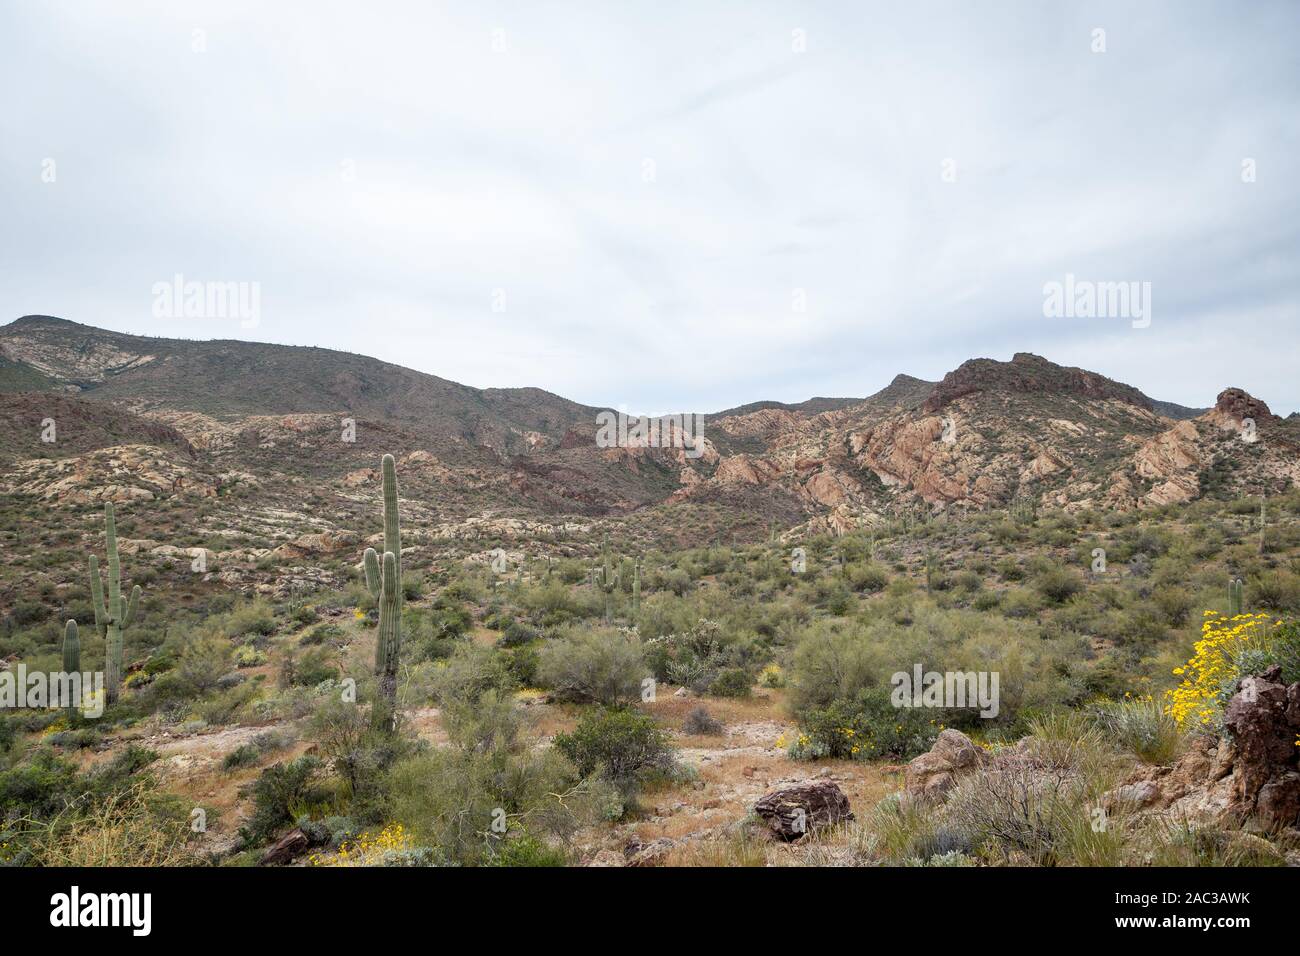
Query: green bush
[(621, 745), (597, 664), (867, 728), (278, 796), (732, 682)]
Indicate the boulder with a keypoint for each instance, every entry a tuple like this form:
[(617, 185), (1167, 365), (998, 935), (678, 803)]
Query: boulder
[(287, 849), (794, 811), (653, 853), (952, 756)]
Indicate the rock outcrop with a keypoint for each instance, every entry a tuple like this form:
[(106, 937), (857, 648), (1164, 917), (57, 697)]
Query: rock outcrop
[(930, 776), (1249, 776)]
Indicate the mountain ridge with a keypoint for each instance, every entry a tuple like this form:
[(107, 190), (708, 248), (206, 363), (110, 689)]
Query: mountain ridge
[(988, 433)]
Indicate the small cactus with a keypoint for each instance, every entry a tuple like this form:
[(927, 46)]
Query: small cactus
[(607, 580), (71, 663), (1235, 597), (385, 585), (112, 617)]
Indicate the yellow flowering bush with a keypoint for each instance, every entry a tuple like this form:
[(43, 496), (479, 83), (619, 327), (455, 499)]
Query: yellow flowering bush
[(368, 849), (1215, 666)]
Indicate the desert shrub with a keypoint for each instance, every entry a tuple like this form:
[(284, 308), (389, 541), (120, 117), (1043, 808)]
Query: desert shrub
[(322, 633), (264, 743), (1009, 569), (246, 655), (1277, 590), (1182, 843), (907, 830), (357, 753), (732, 682), (593, 664), (554, 604), (700, 721), (868, 578), (621, 745), (1142, 727), (1020, 603), (123, 829), (313, 667), (203, 660), (1020, 805), (1230, 649), (256, 618), (278, 796), (490, 787), (1175, 603), (528, 851), (517, 634), (471, 671), (831, 663), (868, 727), (242, 756), (305, 614), (1056, 584)]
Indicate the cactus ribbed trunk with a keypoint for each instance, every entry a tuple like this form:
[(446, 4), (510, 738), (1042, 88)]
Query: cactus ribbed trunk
[(71, 663), (636, 588), (111, 617), (385, 584), (607, 581)]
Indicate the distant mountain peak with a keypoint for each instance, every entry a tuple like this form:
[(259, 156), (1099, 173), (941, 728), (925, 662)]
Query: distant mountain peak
[(1240, 404), (1028, 373)]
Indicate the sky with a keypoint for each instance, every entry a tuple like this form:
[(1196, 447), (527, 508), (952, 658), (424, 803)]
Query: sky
[(669, 206)]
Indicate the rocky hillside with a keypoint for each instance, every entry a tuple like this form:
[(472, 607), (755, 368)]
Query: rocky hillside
[(170, 417)]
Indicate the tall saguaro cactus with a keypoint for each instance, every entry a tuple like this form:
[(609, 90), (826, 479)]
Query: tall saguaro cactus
[(607, 581), (636, 587), (112, 617), (1235, 589), (71, 663), (385, 585), (1263, 523)]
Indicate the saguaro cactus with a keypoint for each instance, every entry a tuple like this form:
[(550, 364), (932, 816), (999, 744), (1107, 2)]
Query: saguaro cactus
[(385, 585), (607, 581), (71, 663), (1263, 523), (112, 617), (636, 587), (1235, 591)]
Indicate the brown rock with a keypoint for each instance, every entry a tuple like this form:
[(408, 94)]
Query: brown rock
[(287, 849), (794, 811), (952, 756)]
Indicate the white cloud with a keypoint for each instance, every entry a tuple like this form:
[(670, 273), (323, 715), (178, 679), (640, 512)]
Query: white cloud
[(381, 171)]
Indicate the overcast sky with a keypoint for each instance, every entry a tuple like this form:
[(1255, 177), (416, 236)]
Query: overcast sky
[(626, 203)]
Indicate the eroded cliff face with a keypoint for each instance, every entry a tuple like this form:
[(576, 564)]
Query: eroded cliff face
[(988, 433), (77, 361), (993, 432)]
